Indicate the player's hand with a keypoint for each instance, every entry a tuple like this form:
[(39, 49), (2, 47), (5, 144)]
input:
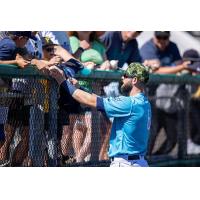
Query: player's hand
[(154, 64), (185, 64), (73, 81), (57, 73)]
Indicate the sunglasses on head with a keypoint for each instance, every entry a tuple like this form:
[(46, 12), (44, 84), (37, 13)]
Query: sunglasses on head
[(162, 37)]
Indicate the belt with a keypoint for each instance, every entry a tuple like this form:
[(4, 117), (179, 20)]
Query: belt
[(129, 157)]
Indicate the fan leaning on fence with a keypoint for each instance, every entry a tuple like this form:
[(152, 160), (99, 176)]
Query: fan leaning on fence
[(12, 52), (131, 112)]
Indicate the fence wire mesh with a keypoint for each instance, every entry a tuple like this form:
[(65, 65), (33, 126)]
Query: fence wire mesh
[(39, 128)]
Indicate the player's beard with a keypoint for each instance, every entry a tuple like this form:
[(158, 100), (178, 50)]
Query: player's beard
[(126, 88)]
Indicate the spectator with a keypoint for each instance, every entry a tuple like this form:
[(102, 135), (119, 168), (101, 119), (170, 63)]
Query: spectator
[(58, 37), (193, 56), (50, 49), (122, 46), (3, 34), (164, 54), (12, 52), (34, 47), (41, 93), (87, 47), (91, 52)]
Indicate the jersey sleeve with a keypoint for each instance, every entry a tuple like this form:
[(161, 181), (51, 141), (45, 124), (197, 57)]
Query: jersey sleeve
[(7, 50), (118, 106), (148, 51)]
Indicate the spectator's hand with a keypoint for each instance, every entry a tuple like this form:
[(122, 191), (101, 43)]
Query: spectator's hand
[(105, 65), (40, 64), (89, 65), (154, 64), (21, 62), (84, 44), (57, 73), (185, 64), (55, 60)]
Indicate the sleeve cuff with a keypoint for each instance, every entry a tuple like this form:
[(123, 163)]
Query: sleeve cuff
[(100, 104), (68, 87)]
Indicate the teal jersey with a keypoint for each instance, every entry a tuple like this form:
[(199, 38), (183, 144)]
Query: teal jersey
[(131, 124)]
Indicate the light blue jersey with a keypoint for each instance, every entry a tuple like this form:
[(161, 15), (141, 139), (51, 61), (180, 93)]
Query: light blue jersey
[(131, 125)]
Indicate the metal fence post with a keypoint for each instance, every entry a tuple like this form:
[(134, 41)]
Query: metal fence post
[(36, 128), (95, 144), (52, 134), (183, 127)]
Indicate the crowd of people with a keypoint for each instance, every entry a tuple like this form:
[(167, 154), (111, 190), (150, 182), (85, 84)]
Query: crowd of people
[(93, 50)]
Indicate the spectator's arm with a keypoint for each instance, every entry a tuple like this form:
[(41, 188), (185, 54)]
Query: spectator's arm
[(64, 54), (171, 70), (83, 46), (78, 53), (8, 62), (18, 61)]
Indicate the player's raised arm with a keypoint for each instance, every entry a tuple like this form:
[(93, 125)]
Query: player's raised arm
[(78, 94)]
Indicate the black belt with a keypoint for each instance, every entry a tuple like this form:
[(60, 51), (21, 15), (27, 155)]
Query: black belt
[(130, 157)]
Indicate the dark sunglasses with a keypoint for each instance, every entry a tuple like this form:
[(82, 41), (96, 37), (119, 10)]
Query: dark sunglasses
[(49, 49), (162, 37), (128, 76)]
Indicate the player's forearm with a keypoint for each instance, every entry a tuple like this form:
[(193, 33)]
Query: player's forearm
[(80, 95), (85, 98)]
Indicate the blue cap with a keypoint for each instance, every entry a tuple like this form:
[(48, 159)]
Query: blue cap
[(194, 66), (23, 33)]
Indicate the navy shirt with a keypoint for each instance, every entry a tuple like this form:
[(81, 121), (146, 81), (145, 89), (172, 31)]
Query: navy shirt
[(168, 57), (8, 49), (116, 49)]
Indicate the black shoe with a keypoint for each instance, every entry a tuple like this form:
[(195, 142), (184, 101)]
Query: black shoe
[(70, 160), (4, 163)]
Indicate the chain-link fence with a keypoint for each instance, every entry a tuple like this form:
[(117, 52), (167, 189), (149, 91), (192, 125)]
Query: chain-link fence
[(39, 128)]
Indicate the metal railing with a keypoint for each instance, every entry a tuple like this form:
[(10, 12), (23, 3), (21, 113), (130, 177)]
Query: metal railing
[(48, 154)]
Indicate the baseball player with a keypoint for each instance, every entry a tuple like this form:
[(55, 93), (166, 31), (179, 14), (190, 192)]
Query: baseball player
[(131, 114)]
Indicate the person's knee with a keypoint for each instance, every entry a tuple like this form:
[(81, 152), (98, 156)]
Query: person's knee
[(80, 126)]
